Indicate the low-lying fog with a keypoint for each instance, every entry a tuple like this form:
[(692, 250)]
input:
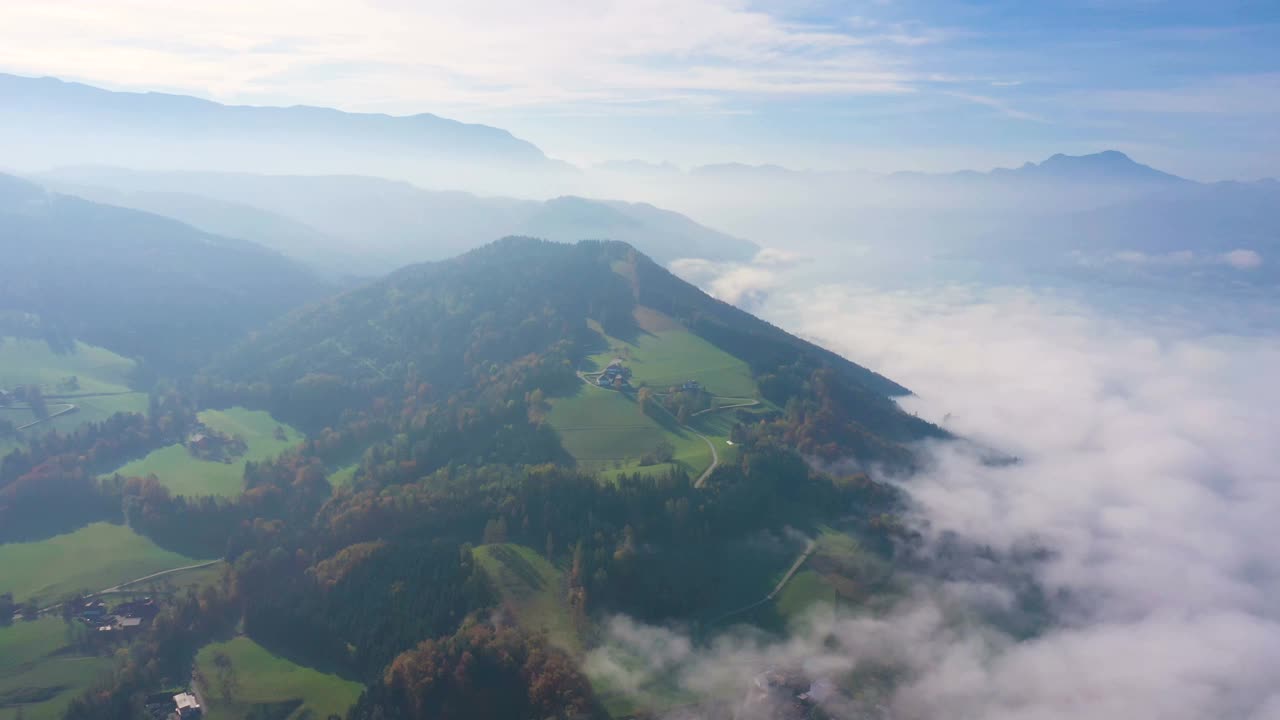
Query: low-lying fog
[(1149, 474)]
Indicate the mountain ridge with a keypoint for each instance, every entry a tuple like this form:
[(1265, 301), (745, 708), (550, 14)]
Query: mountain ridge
[(137, 283), (61, 93), (396, 223)]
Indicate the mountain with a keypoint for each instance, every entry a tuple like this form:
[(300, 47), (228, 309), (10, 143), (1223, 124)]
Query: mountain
[(285, 235), (47, 122), (137, 283), (395, 223), (1110, 166), (536, 304)]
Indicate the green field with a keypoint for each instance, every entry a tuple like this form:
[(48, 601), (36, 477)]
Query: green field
[(102, 375), (669, 355), (532, 589), (343, 475), (262, 678), (606, 432), (187, 475), (39, 673), (94, 557), (838, 573)]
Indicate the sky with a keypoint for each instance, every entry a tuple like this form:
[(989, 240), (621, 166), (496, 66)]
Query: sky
[(1187, 85)]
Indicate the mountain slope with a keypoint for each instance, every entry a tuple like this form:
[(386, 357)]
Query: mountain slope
[(395, 223), (539, 309), (227, 219), (136, 283)]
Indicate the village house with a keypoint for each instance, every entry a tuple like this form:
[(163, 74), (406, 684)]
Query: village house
[(187, 705)]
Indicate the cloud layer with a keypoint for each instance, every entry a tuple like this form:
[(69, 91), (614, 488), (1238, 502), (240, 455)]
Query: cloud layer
[(494, 52), (1148, 472)]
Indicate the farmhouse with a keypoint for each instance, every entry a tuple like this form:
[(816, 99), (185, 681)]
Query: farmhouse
[(188, 706), (209, 444), (616, 375)]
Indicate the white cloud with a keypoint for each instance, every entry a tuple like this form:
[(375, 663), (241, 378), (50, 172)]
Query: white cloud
[(493, 53), (1239, 259), (1147, 471), (743, 284), (1243, 259)]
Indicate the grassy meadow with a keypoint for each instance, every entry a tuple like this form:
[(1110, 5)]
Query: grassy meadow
[(263, 678), (667, 354), (102, 375), (187, 475), (39, 673), (606, 432), (94, 557), (532, 589)]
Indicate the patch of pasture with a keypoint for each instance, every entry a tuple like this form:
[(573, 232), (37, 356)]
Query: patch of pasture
[(40, 673), (606, 432), (532, 589), (671, 355), (93, 558), (187, 475), (101, 389), (254, 677)]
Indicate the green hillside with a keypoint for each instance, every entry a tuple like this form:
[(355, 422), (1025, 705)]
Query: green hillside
[(532, 589), (39, 673), (92, 558), (606, 432), (100, 387), (256, 680), (664, 353)]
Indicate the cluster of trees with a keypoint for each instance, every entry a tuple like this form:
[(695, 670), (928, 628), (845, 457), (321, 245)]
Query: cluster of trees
[(830, 419), (482, 672)]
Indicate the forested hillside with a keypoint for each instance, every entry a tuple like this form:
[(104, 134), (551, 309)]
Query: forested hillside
[(446, 535), (526, 302), (139, 284)]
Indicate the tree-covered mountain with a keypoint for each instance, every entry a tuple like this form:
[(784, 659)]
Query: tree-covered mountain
[(140, 284), (392, 223), (459, 323)]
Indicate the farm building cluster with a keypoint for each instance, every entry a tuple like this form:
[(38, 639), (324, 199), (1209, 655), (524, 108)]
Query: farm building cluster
[(126, 618), (616, 376), (206, 443)]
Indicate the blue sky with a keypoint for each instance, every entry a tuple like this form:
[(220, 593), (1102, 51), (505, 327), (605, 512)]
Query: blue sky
[(1193, 87)]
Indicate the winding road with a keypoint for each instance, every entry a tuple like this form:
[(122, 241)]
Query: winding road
[(153, 576), (135, 581), (809, 547)]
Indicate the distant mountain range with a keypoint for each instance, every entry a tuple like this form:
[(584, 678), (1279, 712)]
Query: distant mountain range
[(368, 225), (140, 284), (48, 122)]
